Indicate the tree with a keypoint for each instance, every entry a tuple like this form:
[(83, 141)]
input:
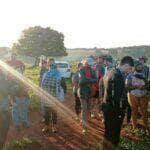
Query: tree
[(37, 41)]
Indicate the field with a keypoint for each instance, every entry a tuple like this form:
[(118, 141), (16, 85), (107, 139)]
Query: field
[(69, 135)]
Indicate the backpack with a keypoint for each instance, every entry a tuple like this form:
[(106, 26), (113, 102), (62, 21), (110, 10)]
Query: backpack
[(137, 81), (116, 93)]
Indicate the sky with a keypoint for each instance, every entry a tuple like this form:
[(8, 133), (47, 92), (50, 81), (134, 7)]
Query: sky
[(85, 23)]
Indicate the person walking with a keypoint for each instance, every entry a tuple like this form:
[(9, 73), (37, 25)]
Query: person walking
[(115, 102), (137, 85), (75, 83), (51, 83), (86, 78)]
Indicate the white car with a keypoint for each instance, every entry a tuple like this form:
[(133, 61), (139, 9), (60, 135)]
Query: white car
[(64, 68)]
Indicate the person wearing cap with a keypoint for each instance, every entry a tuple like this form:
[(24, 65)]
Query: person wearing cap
[(86, 78), (137, 85), (75, 82)]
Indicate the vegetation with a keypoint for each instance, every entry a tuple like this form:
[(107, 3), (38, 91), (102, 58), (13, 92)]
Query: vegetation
[(23, 144), (127, 144), (37, 41)]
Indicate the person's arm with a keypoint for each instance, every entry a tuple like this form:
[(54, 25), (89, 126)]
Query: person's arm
[(63, 85), (101, 89), (106, 79)]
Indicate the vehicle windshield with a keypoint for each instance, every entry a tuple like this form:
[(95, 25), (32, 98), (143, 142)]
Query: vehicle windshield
[(62, 65)]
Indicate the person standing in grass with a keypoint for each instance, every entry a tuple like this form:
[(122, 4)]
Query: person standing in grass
[(43, 70)]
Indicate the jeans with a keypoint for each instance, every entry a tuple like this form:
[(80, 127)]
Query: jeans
[(113, 120), (142, 103), (77, 105), (50, 115), (85, 110)]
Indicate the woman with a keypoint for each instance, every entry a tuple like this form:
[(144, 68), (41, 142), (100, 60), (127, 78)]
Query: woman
[(137, 86)]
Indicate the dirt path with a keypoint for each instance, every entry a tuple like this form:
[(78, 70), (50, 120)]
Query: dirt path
[(69, 136)]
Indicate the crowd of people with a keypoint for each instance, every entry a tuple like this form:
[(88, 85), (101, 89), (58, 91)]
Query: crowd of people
[(116, 90)]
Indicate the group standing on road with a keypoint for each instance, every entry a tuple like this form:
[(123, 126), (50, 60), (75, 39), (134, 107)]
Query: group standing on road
[(122, 90), (103, 89)]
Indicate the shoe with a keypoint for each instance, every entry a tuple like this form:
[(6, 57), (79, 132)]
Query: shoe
[(92, 115), (54, 129), (45, 130), (43, 121), (84, 131)]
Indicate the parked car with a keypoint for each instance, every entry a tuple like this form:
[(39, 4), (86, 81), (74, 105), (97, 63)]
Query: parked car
[(64, 68)]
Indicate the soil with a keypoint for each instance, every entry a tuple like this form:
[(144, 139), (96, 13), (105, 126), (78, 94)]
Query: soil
[(69, 135)]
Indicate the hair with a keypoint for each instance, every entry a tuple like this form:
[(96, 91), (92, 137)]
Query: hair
[(79, 64), (138, 64), (127, 60)]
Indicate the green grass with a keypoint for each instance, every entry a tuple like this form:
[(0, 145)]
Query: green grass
[(127, 144), (32, 73), (23, 144)]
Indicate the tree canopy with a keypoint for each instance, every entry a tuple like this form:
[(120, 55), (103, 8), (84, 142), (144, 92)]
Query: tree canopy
[(37, 41)]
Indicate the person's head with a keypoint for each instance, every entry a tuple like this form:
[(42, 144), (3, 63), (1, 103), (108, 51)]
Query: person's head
[(126, 64), (100, 60), (79, 65), (139, 67), (142, 59), (43, 63), (109, 60), (13, 56), (85, 63), (50, 62)]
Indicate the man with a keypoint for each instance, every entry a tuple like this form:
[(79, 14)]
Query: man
[(143, 60), (75, 82), (86, 78), (43, 70), (51, 83), (115, 102), (109, 64), (99, 67), (16, 64)]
